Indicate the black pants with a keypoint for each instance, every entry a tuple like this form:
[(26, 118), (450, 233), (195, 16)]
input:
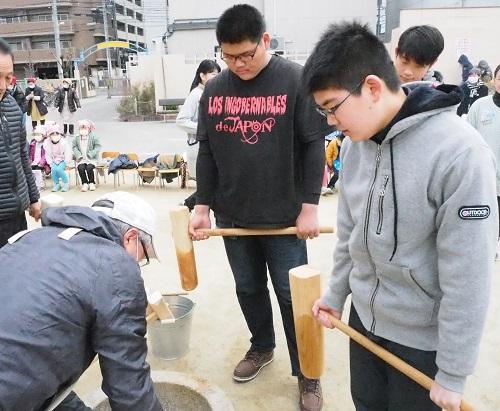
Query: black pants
[(12, 226), (86, 172), (34, 123), (334, 179), (71, 128), (377, 386)]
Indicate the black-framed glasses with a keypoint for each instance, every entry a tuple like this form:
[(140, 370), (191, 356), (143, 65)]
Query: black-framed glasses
[(325, 112), (244, 57), (145, 261)]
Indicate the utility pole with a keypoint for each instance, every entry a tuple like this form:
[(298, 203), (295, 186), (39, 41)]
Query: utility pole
[(106, 34), (57, 36)]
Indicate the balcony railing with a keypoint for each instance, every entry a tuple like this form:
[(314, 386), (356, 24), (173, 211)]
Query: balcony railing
[(34, 28), (41, 55), (31, 4)]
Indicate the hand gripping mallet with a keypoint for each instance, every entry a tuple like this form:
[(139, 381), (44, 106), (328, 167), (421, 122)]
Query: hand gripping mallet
[(179, 219), (305, 290)]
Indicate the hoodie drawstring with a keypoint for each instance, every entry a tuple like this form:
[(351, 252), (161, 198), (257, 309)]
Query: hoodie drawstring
[(395, 203)]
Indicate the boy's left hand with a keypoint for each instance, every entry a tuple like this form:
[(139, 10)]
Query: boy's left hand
[(446, 399), (307, 222), (319, 309)]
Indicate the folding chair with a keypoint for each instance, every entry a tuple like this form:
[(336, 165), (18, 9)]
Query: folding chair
[(147, 172), (104, 168), (179, 173), (135, 158)]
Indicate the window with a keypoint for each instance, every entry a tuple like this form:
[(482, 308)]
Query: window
[(131, 29), (18, 45), (140, 31), (48, 17), (120, 9), (138, 2), (44, 45), (138, 16), (130, 13), (13, 19), (120, 26)]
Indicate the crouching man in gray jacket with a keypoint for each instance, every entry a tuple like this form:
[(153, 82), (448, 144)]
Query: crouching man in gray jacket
[(73, 289), (417, 223)]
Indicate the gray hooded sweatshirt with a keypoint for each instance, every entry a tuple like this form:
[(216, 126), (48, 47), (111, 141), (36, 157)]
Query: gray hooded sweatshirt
[(417, 226), (63, 302)]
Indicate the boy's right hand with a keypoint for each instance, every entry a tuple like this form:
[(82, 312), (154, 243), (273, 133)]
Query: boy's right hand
[(200, 219), (320, 309)]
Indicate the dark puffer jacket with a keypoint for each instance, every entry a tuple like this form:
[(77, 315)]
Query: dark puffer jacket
[(73, 101), (17, 184), (20, 97), (40, 104), (63, 304)]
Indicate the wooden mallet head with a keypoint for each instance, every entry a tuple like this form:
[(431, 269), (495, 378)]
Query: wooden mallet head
[(305, 287), (179, 220)]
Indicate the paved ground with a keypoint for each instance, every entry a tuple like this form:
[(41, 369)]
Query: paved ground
[(138, 137), (219, 335)]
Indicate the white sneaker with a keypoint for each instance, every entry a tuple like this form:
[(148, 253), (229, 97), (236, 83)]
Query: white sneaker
[(85, 187), (326, 191), (92, 187)]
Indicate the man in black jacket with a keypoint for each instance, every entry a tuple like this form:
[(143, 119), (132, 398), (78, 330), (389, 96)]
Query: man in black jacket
[(72, 290), (18, 191)]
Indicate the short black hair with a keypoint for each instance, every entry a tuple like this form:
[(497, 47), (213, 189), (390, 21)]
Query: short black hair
[(239, 23), (5, 48), (496, 71), (423, 44), (345, 55)]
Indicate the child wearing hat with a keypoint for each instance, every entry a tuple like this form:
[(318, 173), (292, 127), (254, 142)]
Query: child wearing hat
[(37, 157), (86, 151), (58, 154)]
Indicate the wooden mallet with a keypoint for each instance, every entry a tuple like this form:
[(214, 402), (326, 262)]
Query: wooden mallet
[(305, 289), (159, 309), (179, 218)]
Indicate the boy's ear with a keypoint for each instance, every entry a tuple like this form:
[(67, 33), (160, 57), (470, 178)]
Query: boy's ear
[(397, 51), (375, 85)]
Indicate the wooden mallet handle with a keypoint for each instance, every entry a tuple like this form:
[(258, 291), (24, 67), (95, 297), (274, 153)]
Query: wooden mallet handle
[(237, 232), (411, 372)]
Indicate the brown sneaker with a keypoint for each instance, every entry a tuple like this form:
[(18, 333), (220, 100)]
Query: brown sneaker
[(311, 398), (249, 367)]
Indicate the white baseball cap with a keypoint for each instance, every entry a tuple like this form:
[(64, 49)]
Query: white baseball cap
[(132, 210)]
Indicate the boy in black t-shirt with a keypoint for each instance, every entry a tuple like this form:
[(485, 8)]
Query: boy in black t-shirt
[(260, 164)]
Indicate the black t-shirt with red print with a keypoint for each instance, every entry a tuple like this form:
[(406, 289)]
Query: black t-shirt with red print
[(261, 146)]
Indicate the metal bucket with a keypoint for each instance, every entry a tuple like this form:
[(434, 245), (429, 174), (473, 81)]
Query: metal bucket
[(171, 341)]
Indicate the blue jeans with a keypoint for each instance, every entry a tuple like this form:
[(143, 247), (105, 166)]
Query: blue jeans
[(57, 171), (249, 258)]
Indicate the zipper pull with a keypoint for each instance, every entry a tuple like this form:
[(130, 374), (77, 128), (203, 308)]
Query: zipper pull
[(382, 191)]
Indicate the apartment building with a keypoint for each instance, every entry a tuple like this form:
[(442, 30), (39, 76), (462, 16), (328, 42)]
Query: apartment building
[(28, 27)]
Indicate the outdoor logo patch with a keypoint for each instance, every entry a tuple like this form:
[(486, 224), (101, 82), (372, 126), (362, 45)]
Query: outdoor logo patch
[(474, 212)]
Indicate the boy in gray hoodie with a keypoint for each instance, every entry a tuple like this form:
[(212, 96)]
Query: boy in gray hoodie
[(416, 228)]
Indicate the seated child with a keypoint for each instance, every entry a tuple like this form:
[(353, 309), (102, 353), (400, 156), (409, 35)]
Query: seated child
[(37, 157), (86, 150), (58, 154)]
